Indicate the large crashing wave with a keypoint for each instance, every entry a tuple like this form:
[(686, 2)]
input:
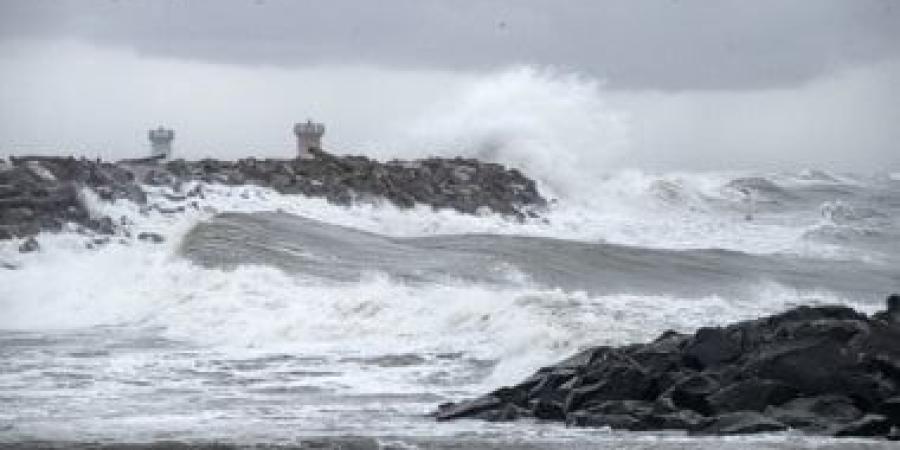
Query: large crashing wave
[(555, 126)]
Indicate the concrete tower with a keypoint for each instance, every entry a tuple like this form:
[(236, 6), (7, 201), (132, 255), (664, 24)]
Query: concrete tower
[(161, 142), (309, 137)]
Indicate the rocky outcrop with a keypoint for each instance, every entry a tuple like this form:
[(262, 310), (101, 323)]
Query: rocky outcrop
[(44, 193), (826, 370)]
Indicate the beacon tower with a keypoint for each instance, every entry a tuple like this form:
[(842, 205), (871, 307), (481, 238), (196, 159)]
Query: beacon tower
[(309, 138), (161, 143)]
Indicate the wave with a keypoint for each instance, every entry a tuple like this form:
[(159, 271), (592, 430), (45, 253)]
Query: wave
[(313, 248), (242, 302), (555, 126), (254, 308)]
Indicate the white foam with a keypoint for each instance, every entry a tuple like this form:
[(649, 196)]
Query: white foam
[(632, 208), (260, 309), (555, 126), (510, 328)]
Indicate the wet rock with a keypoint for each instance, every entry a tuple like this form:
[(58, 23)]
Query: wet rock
[(44, 193), (815, 414), (711, 347), (825, 370), (468, 408), (891, 409), (615, 421), (742, 422), (30, 245), (681, 420), (691, 393), (754, 394), (810, 365), (867, 426), (103, 225), (150, 237)]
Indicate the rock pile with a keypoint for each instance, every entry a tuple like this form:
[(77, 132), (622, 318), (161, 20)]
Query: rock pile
[(44, 193), (823, 370), (465, 185), (41, 193)]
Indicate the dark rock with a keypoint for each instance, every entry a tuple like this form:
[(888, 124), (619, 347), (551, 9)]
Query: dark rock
[(506, 413), (97, 242), (548, 408), (150, 237), (892, 313), (815, 413), (810, 365), (30, 245), (894, 434), (891, 409), (690, 393), (867, 426), (711, 347), (681, 420), (824, 370), (614, 421), (103, 225), (754, 394), (467, 408), (637, 408), (742, 422)]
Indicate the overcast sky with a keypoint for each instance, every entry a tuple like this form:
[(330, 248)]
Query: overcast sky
[(675, 73), (656, 44)]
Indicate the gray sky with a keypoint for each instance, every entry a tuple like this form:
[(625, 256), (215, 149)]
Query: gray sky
[(657, 83), (655, 44)]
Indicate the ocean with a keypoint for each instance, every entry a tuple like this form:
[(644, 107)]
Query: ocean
[(282, 320)]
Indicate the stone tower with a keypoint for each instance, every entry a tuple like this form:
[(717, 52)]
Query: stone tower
[(309, 138), (161, 143)]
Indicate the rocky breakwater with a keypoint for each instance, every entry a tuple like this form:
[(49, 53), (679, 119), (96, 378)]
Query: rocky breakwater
[(465, 185), (46, 193), (824, 370)]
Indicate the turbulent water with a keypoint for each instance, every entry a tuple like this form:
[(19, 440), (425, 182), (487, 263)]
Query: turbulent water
[(273, 319)]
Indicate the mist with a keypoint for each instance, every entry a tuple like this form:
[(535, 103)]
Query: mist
[(72, 97)]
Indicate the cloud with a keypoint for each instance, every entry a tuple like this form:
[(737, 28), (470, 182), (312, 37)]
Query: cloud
[(655, 44)]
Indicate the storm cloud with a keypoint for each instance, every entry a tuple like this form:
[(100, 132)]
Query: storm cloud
[(591, 85), (654, 44)]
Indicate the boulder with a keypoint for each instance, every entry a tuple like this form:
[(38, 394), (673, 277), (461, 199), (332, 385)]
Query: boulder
[(691, 393), (30, 245), (711, 347), (155, 238)]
